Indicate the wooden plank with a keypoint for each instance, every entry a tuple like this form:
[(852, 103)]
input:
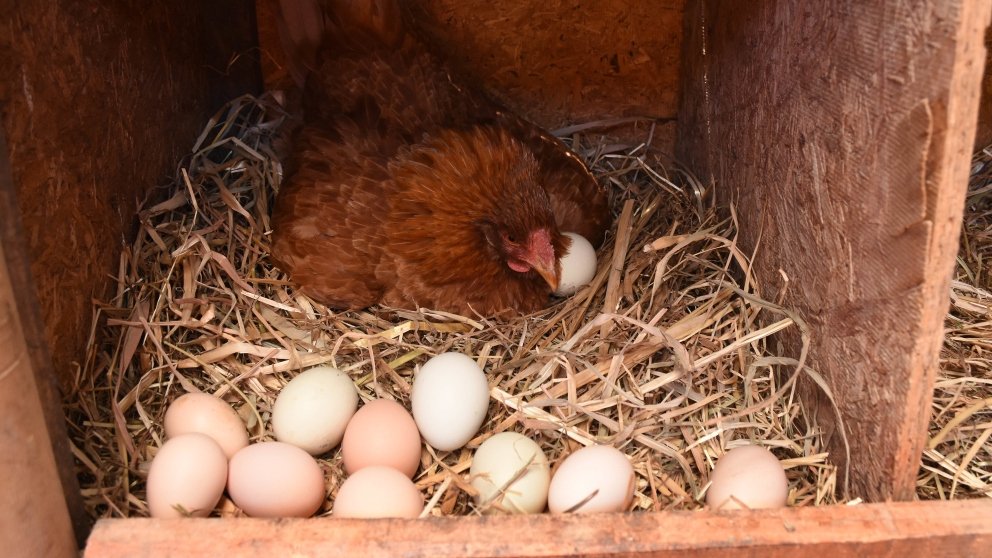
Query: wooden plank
[(555, 62), (898, 529), (842, 131), (17, 265), (34, 517)]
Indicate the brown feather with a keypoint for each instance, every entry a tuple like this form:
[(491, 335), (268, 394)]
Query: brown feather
[(404, 183)]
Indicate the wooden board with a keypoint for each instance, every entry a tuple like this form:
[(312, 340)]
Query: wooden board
[(555, 62), (99, 102), (842, 133), (34, 517), (900, 529)]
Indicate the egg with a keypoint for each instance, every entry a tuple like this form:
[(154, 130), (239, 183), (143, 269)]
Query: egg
[(592, 479), (578, 265), (275, 479), (450, 398), (382, 432), (187, 476), (378, 491), (511, 475), (747, 477), (313, 409), (206, 414)]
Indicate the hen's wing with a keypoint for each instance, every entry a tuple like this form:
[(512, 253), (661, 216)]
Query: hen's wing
[(326, 224), (330, 221)]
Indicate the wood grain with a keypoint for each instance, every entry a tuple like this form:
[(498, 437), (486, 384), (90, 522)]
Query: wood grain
[(555, 62), (842, 131), (34, 517), (99, 101), (900, 529)]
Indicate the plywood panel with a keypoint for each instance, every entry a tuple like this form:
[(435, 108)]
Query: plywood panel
[(555, 62), (842, 132), (906, 530), (34, 517), (99, 101)]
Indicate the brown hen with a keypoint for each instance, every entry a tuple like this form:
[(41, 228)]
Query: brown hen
[(408, 187)]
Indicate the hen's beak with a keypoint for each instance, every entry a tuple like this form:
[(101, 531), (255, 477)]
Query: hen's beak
[(547, 270)]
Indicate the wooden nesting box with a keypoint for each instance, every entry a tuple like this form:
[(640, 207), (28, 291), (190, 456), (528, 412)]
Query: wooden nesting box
[(840, 130)]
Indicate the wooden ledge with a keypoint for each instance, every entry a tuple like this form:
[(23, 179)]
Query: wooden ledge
[(961, 528)]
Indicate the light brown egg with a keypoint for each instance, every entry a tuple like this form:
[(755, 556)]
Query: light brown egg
[(383, 433), (186, 477), (378, 491), (747, 477), (275, 479), (206, 414)]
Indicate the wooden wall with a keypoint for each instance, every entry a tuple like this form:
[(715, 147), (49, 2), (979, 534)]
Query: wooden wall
[(556, 62), (99, 101)]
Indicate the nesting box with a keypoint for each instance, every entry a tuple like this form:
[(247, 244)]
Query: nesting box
[(840, 131)]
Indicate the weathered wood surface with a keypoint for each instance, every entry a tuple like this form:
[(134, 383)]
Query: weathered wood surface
[(842, 132), (555, 62), (34, 516), (99, 101), (899, 529)]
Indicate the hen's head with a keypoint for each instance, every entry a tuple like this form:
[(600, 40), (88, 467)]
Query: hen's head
[(526, 247)]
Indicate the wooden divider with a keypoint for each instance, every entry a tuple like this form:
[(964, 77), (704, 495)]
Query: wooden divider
[(907, 530), (842, 133)]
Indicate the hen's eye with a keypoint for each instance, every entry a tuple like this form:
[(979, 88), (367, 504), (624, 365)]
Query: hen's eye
[(511, 238)]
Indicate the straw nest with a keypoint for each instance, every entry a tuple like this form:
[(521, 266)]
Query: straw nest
[(957, 461), (668, 355)]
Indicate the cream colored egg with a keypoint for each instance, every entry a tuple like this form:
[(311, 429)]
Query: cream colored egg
[(206, 414), (592, 479), (382, 432), (378, 491), (747, 477), (275, 479), (187, 476), (313, 409), (578, 265), (511, 474), (450, 399)]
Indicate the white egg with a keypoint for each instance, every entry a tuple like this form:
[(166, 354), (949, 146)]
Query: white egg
[(511, 474), (313, 409), (592, 479), (748, 477), (449, 400), (578, 265)]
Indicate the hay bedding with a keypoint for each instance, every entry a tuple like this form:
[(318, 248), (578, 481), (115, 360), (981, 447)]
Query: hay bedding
[(668, 355), (957, 462)]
